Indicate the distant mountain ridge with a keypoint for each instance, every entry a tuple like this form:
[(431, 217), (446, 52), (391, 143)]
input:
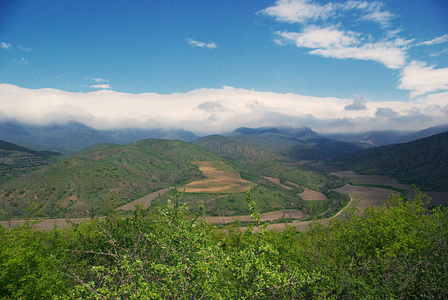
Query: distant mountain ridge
[(73, 136), (387, 137), (297, 143)]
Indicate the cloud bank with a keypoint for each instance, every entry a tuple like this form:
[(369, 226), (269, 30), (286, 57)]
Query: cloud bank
[(208, 111)]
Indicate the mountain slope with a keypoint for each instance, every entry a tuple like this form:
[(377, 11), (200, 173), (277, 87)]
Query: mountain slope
[(322, 148), (276, 138), (68, 137), (297, 143), (423, 162), (102, 176), (262, 162), (17, 158), (73, 136), (134, 134), (235, 150)]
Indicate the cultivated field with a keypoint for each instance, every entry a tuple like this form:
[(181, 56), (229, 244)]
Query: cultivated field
[(366, 196), (372, 179), (145, 201), (264, 217), (307, 195), (221, 178)]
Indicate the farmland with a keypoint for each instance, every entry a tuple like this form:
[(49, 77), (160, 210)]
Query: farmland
[(221, 178)]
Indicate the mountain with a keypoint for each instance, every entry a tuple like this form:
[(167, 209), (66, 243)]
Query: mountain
[(297, 143), (102, 176), (73, 136), (235, 150), (423, 162), (323, 148), (276, 138), (254, 162), (65, 138), (387, 137), (17, 158), (130, 135), (374, 138)]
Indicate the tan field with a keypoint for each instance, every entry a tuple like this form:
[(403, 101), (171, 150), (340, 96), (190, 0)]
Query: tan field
[(308, 195), (220, 179), (264, 217), (365, 196)]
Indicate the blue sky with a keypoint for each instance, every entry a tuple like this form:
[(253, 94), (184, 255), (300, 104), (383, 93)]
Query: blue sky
[(340, 65)]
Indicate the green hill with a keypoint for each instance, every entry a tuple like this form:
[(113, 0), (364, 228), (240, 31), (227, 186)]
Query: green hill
[(423, 162), (264, 162), (296, 143), (275, 138), (322, 148), (103, 176), (15, 158)]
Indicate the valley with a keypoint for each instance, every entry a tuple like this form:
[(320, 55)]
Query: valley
[(211, 174), (153, 210)]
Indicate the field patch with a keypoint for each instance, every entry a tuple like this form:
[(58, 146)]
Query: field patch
[(372, 179), (307, 194), (368, 196), (264, 217), (221, 178)]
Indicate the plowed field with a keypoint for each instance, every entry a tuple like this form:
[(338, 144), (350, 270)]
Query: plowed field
[(220, 179)]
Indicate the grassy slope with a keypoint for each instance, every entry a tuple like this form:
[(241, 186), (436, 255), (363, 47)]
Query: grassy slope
[(103, 176), (15, 158)]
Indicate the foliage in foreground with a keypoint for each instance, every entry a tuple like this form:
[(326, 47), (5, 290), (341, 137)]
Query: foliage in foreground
[(396, 251)]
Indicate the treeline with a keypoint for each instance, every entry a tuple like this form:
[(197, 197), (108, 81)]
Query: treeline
[(398, 251)]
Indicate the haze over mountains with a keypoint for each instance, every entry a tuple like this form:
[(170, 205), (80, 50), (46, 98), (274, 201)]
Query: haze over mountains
[(73, 136)]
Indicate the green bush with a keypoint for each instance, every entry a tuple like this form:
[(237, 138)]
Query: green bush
[(165, 252)]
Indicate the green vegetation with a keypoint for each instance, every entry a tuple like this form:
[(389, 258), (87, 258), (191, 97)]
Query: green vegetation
[(91, 181), (16, 159), (253, 163), (79, 182), (422, 162), (399, 250)]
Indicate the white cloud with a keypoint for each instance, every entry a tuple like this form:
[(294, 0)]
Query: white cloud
[(298, 11), (24, 49), (101, 86), (20, 61), (375, 13), (207, 111), (99, 79), (332, 42), (319, 33), (4, 45), (210, 45), (386, 53), (438, 40), (305, 11), (438, 53), (317, 37), (420, 79)]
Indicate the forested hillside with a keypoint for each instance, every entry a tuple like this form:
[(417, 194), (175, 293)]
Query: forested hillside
[(103, 176), (15, 158), (422, 162)]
